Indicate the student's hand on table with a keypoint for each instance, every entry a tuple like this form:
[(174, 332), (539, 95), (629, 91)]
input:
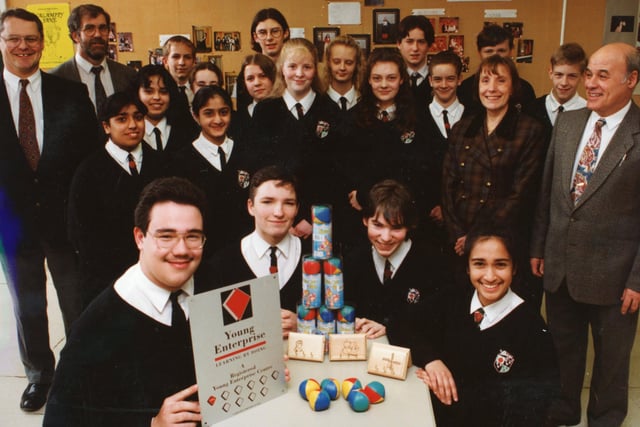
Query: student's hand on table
[(370, 328), (287, 373), (459, 246), (438, 377), (537, 266), (175, 410), (302, 229), (353, 200), (289, 322), (630, 301), (436, 214)]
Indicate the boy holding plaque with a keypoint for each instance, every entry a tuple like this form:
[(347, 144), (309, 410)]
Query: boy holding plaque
[(389, 280), (270, 248), (128, 360)]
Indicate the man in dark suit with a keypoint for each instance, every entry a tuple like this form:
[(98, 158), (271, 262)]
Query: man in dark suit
[(586, 238), (48, 126), (415, 35), (492, 40), (89, 29), (567, 65)]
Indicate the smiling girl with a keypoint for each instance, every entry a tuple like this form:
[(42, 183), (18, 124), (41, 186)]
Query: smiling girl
[(488, 358), (383, 141), (297, 127), (218, 165)]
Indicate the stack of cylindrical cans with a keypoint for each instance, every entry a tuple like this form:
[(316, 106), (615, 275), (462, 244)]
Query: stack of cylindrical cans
[(322, 268)]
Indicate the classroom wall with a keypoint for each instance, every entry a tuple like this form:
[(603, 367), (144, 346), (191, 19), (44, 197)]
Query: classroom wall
[(146, 19)]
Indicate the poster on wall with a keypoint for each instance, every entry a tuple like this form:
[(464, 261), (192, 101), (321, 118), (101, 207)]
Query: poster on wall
[(58, 47)]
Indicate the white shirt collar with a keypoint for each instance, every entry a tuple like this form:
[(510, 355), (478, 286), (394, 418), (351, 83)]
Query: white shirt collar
[(35, 80), (306, 102), (575, 103), (149, 127), (351, 95), (396, 259), (614, 120), (494, 313), (251, 107), (423, 71), (254, 249), (136, 289), (120, 155), (86, 65), (452, 110), (209, 150)]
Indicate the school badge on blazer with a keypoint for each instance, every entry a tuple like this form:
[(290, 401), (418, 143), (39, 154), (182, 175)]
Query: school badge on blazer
[(503, 362), (407, 137), (243, 178), (413, 296), (322, 129)]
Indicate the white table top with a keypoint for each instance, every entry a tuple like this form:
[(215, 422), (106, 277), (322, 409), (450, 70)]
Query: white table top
[(407, 402)]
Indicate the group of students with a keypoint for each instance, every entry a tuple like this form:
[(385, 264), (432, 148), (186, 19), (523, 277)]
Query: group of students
[(445, 191)]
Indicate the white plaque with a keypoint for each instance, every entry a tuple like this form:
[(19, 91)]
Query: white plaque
[(237, 347)]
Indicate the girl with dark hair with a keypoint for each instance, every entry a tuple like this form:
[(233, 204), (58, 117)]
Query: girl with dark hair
[(218, 165), (168, 126), (383, 142), (256, 78), (487, 357)]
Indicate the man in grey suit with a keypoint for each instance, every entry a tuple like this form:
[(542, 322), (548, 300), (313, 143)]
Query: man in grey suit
[(586, 238), (89, 29)]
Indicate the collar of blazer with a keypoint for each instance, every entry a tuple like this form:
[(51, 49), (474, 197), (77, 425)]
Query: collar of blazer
[(505, 129)]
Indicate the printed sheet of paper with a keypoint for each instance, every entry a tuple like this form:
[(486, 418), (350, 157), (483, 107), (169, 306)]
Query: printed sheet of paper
[(237, 347), (344, 13)]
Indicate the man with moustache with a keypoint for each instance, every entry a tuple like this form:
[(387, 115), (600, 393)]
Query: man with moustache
[(89, 29)]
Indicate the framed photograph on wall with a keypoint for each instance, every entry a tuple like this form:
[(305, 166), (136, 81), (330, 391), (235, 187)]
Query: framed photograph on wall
[(227, 41), (202, 38), (385, 25), (322, 36), (364, 41)]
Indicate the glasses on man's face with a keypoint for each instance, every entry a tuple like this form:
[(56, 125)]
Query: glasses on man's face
[(275, 33), (169, 239), (13, 41), (90, 29)]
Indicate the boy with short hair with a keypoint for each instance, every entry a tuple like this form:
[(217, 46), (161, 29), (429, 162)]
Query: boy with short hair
[(389, 280), (415, 36), (568, 63), (179, 58), (270, 248)]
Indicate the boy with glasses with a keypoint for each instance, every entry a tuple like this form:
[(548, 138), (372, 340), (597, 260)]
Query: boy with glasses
[(129, 359)]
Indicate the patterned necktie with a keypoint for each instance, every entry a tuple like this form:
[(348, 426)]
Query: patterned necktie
[(101, 95), (132, 165), (447, 125), (478, 315), (587, 162), (343, 103), (158, 134), (386, 276), (27, 128), (273, 266), (299, 110), (223, 158), (178, 317), (384, 116)]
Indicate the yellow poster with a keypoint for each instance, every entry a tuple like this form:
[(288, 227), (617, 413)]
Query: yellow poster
[(58, 47)]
